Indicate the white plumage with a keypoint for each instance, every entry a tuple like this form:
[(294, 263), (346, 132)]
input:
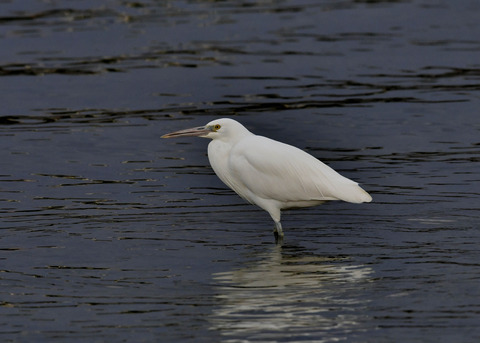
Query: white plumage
[(271, 174)]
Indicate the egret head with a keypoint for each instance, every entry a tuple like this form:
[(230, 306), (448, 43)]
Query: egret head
[(224, 128)]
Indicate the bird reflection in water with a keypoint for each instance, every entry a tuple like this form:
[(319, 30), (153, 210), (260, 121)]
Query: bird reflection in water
[(291, 294)]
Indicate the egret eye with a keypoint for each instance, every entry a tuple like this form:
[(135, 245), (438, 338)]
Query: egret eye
[(217, 127)]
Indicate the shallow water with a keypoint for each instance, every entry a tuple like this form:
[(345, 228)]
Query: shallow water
[(112, 234)]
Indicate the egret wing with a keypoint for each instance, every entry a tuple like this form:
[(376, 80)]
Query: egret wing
[(274, 170)]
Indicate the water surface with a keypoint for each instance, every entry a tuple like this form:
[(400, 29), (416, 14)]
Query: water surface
[(109, 233)]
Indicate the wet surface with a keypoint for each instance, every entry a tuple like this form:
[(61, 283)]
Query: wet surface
[(109, 233)]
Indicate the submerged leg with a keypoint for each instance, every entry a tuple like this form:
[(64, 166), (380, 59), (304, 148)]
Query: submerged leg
[(278, 232), (274, 211), (278, 229)]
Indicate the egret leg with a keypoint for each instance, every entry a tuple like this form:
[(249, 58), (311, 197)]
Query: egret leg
[(278, 229), (278, 233)]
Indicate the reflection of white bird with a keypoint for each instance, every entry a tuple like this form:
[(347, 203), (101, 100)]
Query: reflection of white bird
[(270, 174), (286, 293)]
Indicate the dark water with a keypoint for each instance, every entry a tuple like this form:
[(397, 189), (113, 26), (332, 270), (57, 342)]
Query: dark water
[(110, 234)]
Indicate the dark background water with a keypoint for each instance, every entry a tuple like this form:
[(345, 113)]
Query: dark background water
[(109, 233)]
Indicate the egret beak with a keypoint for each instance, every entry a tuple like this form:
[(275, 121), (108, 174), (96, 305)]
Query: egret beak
[(194, 131)]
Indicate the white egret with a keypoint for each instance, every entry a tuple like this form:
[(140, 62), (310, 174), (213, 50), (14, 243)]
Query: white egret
[(271, 174)]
